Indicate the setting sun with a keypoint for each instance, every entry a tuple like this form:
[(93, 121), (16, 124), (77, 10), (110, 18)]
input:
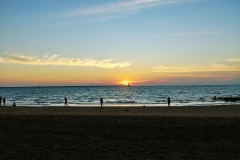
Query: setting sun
[(125, 82)]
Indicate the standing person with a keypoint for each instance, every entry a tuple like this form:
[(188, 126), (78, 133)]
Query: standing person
[(0, 101), (14, 104), (101, 100), (168, 101), (65, 99), (4, 100)]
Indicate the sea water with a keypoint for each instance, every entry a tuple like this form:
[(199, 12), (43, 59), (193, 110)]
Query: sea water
[(120, 95)]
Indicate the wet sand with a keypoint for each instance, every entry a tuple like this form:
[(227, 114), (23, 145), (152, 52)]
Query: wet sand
[(206, 132)]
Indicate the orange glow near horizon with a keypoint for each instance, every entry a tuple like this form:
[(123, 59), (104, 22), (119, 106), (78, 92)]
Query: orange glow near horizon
[(125, 82), (25, 75)]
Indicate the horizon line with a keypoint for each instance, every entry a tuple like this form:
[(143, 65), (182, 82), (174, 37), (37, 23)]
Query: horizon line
[(46, 86)]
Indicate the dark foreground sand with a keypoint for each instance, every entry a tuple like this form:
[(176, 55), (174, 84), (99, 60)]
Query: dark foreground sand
[(208, 132)]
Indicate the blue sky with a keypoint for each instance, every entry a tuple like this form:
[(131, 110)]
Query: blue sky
[(152, 41)]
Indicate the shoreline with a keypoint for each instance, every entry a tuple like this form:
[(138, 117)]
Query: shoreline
[(194, 111), (191, 104), (134, 104)]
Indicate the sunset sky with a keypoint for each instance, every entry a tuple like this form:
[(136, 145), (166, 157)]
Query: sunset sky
[(108, 42)]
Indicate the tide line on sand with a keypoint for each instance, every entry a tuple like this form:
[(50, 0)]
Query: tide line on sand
[(210, 111)]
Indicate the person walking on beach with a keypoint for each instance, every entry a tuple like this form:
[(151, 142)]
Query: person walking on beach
[(4, 100), (101, 100), (66, 104), (0, 101), (168, 101), (14, 104)]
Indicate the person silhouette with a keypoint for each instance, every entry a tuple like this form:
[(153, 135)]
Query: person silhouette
[(65, 99), (101, 100), (0, 101), (168, 101), (14, 104), (4, 100)]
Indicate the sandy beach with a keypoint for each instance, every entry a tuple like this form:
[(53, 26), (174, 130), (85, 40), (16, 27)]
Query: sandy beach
[(197, 132)]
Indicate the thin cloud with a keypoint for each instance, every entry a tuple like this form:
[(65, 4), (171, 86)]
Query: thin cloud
[(196, 68), (121, 8), (117, 10), (92, 19), (218, 65), (227, 59), (207, 33), (234, 59), (198, 33), (55, 60)]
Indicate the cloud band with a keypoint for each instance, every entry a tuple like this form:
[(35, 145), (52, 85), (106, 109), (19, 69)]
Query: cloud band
[(54, 60)]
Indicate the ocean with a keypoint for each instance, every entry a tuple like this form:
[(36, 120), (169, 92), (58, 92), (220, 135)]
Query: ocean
[(88, 96)]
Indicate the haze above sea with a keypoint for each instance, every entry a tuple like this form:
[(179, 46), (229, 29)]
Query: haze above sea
[(88, 96)]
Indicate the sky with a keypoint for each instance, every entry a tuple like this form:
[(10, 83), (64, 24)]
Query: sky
[(112, 42)]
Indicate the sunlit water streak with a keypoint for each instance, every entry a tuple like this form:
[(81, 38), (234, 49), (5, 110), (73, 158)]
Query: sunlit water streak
[(120, 96)]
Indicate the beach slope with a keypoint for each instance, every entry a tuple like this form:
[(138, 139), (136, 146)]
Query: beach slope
[(207, 132)]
